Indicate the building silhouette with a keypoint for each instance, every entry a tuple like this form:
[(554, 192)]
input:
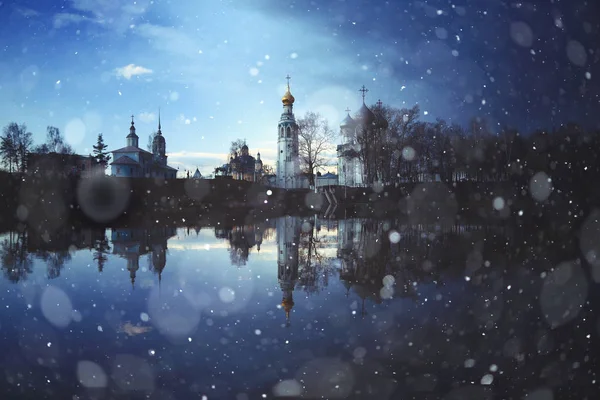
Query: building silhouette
[(131, 244), (132, 161)]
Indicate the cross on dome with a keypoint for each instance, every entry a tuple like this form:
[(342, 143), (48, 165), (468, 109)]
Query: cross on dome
[(364, 91), (287, 98)]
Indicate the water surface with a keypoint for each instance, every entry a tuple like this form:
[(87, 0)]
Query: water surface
[(299, 307)]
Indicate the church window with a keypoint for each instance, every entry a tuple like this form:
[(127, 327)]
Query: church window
[(289, 132)]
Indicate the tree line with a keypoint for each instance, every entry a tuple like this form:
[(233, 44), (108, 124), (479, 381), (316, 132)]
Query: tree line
[(411, 150), (16, 143), (405, 149)]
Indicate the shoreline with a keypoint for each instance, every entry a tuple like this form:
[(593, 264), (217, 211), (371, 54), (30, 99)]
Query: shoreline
[(110, 201)]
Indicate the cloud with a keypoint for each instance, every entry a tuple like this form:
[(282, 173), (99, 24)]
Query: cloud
[(198, 154), (131, 70), (168, 39), (146, 117), (63, 19), (26, 12), (108, 13)]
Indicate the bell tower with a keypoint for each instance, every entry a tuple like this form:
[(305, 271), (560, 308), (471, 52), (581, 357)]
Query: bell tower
[(288, 164)]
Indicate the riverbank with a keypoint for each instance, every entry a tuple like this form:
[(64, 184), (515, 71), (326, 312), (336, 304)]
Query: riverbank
[(108, 201)]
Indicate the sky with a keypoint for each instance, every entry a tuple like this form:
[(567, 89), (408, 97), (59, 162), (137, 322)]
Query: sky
[(216, 69)]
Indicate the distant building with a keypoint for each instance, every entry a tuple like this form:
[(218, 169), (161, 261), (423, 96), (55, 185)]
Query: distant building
[(197, 174), (327, 179), (133, 162), (59, 164), (242, 167)]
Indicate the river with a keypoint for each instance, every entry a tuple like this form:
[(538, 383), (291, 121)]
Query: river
[(296, 307)]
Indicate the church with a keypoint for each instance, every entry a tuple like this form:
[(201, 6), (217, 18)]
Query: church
[(133, 162), (245, 167), (351, 170)]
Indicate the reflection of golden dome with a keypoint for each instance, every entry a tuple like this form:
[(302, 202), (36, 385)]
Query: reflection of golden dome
[(287, 305), (287, 98)]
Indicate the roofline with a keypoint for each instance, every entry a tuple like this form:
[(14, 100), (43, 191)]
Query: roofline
[(127, 151)]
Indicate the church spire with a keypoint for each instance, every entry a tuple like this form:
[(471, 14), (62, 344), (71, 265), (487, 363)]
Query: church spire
[(159, 131)]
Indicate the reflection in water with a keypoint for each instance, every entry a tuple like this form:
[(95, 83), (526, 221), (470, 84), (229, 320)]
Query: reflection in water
[(133, 330), (16, 260), (288, 235), (368, 309), (131, 244)]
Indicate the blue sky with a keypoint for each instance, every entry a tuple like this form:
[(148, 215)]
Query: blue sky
[(217, 68)]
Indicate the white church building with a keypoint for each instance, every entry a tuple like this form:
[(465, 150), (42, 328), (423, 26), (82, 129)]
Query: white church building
[(132, 161), (351, 171)]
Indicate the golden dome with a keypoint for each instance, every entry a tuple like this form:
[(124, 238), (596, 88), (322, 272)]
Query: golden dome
[(287, 98)]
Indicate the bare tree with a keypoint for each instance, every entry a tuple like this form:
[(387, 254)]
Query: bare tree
[(151, 140), (55, 143), (268, 169), (15, 143), (236, 146), (315, 139)]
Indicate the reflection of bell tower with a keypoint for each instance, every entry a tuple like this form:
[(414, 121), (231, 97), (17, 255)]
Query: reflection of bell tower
[(258, 235), (133, 264), (288, 236), (159, 259)]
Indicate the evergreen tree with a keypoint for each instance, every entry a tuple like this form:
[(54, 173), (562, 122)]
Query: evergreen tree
[(100, 154)]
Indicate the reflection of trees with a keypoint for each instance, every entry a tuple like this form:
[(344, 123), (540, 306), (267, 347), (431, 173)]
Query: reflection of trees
[(364, 257), (423, 254), (16, 262), (241, 240), (314, 267), (101, 249), (55, 261)]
